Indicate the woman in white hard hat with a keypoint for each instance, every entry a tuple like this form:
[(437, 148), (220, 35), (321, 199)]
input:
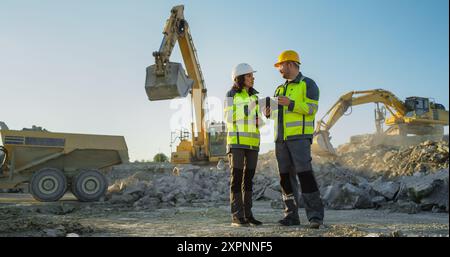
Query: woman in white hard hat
[(243, 117)]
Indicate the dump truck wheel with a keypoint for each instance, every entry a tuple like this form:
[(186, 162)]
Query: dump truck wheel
[(48, 185), (89, 186)]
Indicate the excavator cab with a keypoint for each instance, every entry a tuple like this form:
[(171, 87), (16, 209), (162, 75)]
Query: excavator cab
[(417, 105), (2, 158), (172, 84), (217, 138)]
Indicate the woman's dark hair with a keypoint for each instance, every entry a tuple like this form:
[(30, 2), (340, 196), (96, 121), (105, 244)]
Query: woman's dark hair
[(239, 83)]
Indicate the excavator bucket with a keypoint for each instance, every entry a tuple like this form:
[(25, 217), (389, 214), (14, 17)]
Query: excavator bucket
[(174, 84), (321, 145)]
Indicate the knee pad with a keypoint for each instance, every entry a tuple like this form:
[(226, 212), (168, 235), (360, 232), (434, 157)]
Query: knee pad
[(308, 182)]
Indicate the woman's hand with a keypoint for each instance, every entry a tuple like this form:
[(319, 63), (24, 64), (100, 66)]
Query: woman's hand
[(267, 111)]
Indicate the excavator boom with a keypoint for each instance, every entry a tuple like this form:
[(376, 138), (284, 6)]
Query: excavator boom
[(353, 98)]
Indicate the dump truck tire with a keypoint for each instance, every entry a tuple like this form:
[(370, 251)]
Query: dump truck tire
[(89, 186), (48, 185)]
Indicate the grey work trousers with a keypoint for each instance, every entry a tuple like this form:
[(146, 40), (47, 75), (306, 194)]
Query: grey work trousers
[(294, 157)]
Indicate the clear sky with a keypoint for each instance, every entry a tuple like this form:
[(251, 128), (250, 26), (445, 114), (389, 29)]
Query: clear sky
[(79, 66)]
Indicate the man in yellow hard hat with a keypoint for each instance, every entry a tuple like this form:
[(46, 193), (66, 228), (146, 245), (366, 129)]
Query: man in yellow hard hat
[(298, 99)]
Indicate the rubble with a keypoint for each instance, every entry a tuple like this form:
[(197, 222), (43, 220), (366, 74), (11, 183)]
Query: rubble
[(409, 179), (177, 187), (394, 161)]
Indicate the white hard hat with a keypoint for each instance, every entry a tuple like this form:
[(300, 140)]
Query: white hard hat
[(241, 69)]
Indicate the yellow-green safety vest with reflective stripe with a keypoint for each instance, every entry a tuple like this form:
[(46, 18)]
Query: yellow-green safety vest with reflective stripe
[(299, 122), (241, 114)]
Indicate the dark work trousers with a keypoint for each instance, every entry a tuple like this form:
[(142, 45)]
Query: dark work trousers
[(294, 160), (242, 165)]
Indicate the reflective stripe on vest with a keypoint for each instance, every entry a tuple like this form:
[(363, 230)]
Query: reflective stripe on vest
[(244, 134), (312, 108), (299, 123), (243, 146)]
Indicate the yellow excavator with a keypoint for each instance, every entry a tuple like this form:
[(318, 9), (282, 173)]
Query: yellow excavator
[(167, 80), (415, 116)]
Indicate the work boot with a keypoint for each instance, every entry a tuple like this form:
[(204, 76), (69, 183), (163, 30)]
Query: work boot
[(291, 211), (289, 221), (248, 203), (253, 222), (315, 223), (239, 222)]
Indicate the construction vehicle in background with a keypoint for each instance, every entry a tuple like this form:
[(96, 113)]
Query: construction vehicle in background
[(416, 119), (50, 163), (167, 80)]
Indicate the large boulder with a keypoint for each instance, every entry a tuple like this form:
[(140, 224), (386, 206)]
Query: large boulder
[(419, 187), (346, 196), (429, 191), (271, 194), (387, 189), (438, 198)]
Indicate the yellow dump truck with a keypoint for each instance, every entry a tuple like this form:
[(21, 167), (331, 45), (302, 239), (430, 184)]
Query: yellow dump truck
[(50, 163)]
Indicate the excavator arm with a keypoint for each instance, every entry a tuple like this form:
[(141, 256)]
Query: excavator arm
[(172, 30), (321, 142), (168, 80), (394, 105)]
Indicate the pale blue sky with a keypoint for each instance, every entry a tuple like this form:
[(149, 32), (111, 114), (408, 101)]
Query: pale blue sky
[(79, 66)]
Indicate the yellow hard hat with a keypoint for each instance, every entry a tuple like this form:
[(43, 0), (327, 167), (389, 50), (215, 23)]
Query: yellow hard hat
[(288, 55)]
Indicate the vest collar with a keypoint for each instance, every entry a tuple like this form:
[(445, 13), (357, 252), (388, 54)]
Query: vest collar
[(251, 91), (296, 80)]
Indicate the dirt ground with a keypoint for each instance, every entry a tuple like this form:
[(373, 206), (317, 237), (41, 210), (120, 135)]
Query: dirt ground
[(20, 215)]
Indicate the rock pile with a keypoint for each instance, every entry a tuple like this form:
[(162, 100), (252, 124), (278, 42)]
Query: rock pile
[(184, 185), (408, 179), (393, 161)]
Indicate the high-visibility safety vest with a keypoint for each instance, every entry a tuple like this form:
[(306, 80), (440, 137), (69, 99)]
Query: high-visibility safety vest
[(242, 115), (298, 117)]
